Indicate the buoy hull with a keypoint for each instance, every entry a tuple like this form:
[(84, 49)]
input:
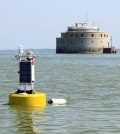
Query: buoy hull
[(37, 99)]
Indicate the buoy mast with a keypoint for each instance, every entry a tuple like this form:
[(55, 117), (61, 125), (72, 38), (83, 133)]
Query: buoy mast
[(26, 71)]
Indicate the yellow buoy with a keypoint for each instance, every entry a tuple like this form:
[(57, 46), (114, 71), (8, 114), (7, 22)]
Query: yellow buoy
[(25, 94), (36, 99)]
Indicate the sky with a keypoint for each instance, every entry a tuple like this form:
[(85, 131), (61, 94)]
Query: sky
[(37, 23)]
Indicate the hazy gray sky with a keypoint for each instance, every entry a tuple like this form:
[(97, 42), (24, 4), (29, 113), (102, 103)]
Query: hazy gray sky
[(37, 23)]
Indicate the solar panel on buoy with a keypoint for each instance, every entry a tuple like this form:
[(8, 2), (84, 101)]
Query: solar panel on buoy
[(25, 72)]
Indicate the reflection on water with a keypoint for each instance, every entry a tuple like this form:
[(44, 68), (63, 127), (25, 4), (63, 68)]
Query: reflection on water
[(28, 118)]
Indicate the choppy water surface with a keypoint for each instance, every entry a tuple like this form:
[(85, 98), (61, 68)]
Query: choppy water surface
[(89, 82)]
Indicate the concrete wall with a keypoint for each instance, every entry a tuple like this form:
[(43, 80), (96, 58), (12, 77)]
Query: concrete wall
[(85, 34), (81, 45)]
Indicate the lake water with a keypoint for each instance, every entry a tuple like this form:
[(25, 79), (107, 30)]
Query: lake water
[(89, 82)]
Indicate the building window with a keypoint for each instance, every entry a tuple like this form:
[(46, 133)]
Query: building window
[(92, 35), (71, 35), (92, 41), (104, 35), (101, 41), (82, 35), (101, 35)]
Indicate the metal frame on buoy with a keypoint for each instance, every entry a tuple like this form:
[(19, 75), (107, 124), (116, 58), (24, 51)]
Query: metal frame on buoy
[(26, 71), (26, 95)]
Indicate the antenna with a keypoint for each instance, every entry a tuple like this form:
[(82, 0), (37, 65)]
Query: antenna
[(86, 17)]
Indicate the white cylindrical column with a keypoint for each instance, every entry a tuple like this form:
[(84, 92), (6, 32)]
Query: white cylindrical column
[(57, 101)]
